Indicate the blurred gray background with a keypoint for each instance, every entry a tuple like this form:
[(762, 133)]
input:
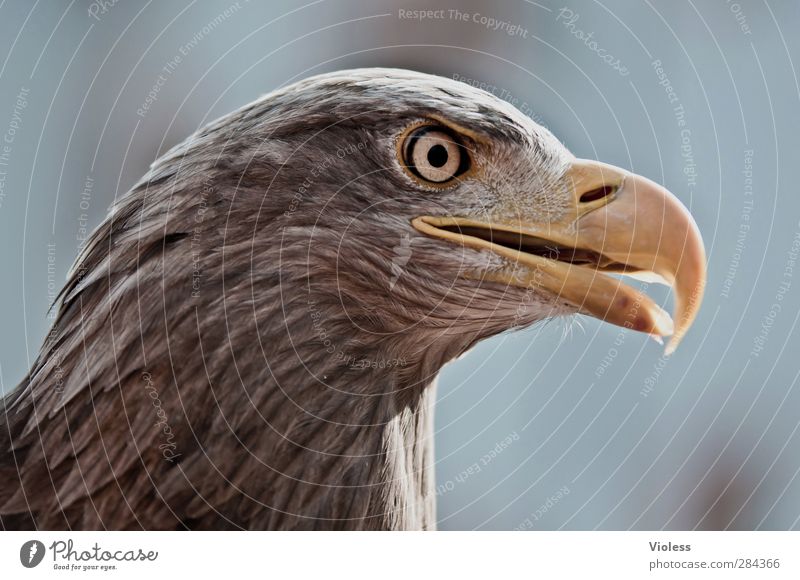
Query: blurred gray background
[(584, 427)]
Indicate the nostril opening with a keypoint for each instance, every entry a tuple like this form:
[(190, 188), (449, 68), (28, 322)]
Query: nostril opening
[(597, 193)]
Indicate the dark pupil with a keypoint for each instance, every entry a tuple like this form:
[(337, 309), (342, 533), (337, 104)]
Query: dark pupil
[(437, 155)]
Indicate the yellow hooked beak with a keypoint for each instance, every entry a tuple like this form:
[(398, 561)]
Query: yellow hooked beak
[(616, 222)]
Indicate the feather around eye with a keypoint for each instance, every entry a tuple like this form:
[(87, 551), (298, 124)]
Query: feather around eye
[(433, 154)]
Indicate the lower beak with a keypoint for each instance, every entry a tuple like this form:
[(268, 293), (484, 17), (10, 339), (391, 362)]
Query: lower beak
[(616, 223)]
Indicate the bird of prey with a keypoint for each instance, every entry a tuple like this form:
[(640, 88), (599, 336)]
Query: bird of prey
[(252, 336)]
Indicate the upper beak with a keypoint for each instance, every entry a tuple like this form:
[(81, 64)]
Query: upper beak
[(615, 222)]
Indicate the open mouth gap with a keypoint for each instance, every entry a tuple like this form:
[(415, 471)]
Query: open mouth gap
[(536, 246), (598, 193)]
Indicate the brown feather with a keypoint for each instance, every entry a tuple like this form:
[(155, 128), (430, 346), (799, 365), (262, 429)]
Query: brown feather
[(188, 381)]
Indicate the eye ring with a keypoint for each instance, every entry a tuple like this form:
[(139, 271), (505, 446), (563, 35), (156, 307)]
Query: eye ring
[(434, 154)]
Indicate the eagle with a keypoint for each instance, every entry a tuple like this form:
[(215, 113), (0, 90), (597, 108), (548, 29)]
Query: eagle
[(251, 338)]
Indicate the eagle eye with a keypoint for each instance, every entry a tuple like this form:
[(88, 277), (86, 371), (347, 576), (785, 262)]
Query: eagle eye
[(434, 154)]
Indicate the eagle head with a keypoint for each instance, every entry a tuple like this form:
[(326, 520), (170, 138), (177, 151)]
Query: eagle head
[(420, 206), (249, 338)]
